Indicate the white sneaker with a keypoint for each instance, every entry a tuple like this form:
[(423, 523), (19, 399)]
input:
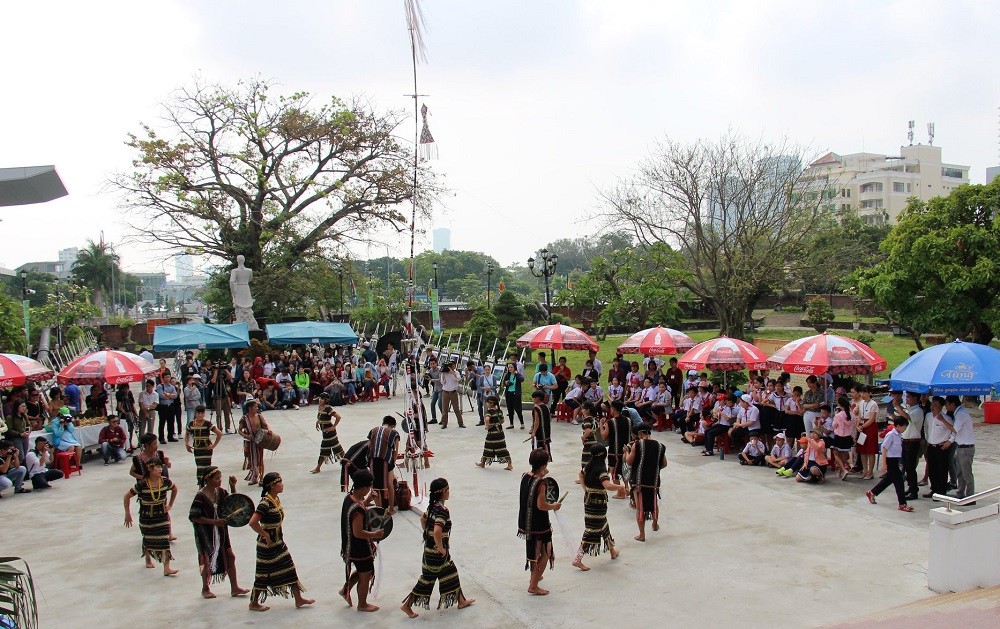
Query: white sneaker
[(295, 407), (575, 422)]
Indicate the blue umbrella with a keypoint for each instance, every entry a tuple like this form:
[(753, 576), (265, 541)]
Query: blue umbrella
[(950, 369)]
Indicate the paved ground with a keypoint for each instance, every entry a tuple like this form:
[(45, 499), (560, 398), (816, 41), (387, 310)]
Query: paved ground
[(737, 545)]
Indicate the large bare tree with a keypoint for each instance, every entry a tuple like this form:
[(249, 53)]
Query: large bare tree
[(737, 210), (239, 170)]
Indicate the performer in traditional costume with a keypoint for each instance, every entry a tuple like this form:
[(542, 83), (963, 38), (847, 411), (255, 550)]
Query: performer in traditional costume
[(647, 457), (541, 424), (357, 546), (198, 439), (616, 431), (253, 453), (533, 520), (437, 564), (154, 524), (275, 573), (589, 437), (327, 420), (495, 448), (216, 559), (356, 458), (596, 483), (383, 446)]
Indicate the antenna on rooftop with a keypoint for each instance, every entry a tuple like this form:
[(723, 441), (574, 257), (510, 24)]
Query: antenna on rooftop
[(930, 133), (909, 133)]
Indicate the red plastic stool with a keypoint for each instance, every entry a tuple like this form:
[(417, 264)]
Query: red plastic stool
[(724, 442), (67, 464), (563, 412)]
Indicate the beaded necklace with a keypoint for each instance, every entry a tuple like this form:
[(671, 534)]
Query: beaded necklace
[(155, 493), (274, 500)]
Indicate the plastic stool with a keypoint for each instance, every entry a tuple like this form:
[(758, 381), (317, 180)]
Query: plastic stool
[(563, 412), (67, 464)]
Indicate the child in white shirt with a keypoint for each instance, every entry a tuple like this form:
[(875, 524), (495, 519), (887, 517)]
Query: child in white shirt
[(753, 453)]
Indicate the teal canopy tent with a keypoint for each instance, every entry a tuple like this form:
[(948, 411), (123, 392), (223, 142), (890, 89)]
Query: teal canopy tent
[(200, 336), (304, 332)]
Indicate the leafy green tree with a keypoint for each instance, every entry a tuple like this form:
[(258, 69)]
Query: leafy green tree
[(577, 254), (70, 306), (278, 179), (11, 322), (639, 286), (942, 266), (95, 265), (838, 245), (507, 311), (483, 324)]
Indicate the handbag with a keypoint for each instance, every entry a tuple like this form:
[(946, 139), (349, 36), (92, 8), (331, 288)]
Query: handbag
[(862, 437)]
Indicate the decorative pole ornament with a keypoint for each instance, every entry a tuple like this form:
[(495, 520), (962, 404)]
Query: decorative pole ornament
[(427, 146)]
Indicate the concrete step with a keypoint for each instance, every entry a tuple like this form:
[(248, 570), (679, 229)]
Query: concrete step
[(975, 608)]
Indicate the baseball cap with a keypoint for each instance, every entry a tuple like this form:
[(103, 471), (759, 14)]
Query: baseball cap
[(780, 435), (746, 398), (692, 372)]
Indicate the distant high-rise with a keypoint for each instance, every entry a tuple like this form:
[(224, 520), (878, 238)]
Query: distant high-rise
[(183, 267), (67, 258), (992, 173), (441, 239)]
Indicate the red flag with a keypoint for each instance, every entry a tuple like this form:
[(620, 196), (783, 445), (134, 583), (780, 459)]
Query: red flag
[(500, 286)]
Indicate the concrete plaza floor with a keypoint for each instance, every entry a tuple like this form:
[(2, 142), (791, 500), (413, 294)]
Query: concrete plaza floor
[(737, 546)]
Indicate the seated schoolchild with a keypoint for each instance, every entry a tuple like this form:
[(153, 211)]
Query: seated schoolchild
[(780, 454), (724, 415), (697, 437), (753, 453), (814, 470), (796, 462)]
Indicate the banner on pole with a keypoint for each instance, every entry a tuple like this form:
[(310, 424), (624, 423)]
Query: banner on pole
[(435, 311)]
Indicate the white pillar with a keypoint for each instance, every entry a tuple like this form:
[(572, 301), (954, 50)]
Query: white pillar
[(964, 549)]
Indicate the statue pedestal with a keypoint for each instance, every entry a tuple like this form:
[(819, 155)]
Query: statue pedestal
[(245, 315)]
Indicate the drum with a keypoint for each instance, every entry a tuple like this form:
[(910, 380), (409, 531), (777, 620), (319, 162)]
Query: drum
[(551, 490), (267, 439), (237, 509), (379, 519), (403, 495)]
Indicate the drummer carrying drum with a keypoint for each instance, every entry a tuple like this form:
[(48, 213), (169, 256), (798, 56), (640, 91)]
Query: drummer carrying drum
[(216, 559)]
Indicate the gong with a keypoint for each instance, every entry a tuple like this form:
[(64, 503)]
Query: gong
[(237, 509), (378, 518), (551, 490)]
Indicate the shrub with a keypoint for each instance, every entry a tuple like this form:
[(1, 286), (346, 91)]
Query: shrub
[(819, 311), (865, 337)]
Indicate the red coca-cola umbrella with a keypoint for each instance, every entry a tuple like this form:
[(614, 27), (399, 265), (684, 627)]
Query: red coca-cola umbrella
[(557, 336), (15, 370), (106, 366), (723, 354), (826, 353), (657, 341)]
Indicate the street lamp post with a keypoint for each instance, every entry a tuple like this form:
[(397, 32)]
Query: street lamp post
[(546, 269), (434, 265), (371, 288), (24, 305), (489, 281)]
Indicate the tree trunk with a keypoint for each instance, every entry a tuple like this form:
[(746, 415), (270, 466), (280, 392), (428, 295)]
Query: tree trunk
[(981, 333)]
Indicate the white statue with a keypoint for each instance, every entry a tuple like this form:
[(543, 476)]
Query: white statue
[(239, 286)]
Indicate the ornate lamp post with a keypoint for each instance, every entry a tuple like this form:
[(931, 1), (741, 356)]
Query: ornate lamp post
[(435, 267), (489, 281), (546, 269)]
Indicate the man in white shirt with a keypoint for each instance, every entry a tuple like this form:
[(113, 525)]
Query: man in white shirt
[(598, 365), (148, 401), (940, 441), (145, 353), (35, 462), (965, 441), (912, 437)]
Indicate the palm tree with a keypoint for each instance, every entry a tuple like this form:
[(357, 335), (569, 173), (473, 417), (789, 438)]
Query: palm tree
[(94, 267)]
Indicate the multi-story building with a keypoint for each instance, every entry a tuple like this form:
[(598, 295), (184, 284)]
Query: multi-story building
[(878, 186), (441, 239)]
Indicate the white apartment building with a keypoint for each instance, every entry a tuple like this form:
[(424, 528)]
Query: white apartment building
[(877, 186)]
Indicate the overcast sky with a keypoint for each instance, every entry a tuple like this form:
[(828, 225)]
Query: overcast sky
[(535, 104)]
